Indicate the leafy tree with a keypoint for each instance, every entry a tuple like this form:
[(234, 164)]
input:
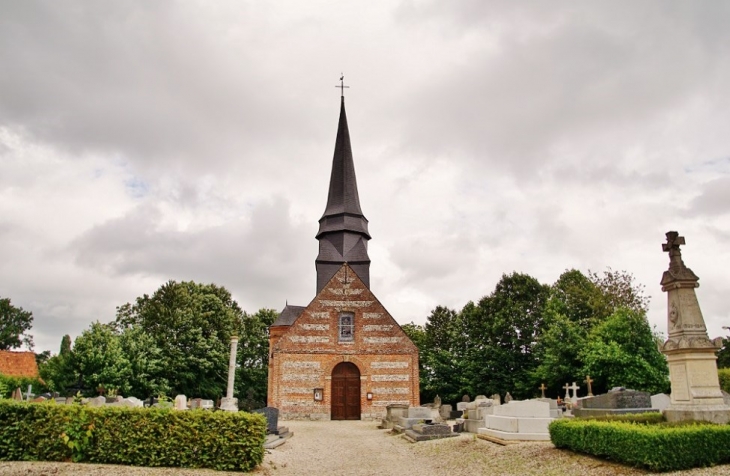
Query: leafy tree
[(253, 358), (65, 345), (57, 371), (559, 353), (14, 326), (503, 331), (442, 357), (622, 351), (191, 324), (619, 290), (100, 361), (146, 364)]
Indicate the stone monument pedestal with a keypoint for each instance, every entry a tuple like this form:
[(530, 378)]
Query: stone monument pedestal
[(696, 393), (229, 404)]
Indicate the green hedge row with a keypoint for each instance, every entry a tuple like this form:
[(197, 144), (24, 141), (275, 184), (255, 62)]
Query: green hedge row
[(644, 418), (131, 436), (724, 375), (655, 447)]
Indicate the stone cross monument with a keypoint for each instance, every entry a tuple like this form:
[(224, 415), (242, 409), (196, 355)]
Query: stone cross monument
[(229, 403), (696, 393)]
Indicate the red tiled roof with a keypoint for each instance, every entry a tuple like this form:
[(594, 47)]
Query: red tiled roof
[(18, 364)]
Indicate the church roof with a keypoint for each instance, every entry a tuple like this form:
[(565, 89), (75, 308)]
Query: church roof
[(343, 211), (18, 364), (288, 315)]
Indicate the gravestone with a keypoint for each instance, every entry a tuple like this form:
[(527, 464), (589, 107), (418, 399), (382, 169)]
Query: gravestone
[(181, 402), (461, 406), (96, 402), (130, 402), (272, 419), (422, 413), (497, 399), (660, 401), (519, 420), (393, 413), (507, 398), (60, 400), (445, 411), (424, 432), (17, 394), (466, 399), (437, 402), (617, 401)]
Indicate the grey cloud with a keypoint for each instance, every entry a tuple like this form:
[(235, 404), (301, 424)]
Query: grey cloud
[(151, 81), (714, 199), (596, 70), (263, 260)]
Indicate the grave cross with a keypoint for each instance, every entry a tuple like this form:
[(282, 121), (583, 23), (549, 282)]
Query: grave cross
[(567, 388), (27, 395), (574, 388), (672, 247), (542, 389), (588, 382), (342, 85)]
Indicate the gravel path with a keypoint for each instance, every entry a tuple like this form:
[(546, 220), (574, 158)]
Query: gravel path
[(358, 448)]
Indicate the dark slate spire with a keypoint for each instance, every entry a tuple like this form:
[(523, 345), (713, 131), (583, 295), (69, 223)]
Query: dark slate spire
[(343, 230)]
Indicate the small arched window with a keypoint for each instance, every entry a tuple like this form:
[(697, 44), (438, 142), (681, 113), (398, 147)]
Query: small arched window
[(347, 327)]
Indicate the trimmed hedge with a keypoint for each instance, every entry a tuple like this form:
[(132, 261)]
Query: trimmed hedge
[(131, 436), (651, 446)]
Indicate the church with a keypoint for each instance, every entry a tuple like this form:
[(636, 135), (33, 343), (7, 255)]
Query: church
[(342, 357)]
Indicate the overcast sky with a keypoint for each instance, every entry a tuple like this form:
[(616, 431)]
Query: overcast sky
[(147, 141)]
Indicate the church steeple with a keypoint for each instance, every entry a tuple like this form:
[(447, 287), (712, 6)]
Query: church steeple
[(343, 230)]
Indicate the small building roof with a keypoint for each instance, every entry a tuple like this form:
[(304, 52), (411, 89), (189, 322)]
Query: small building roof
[(289, 315), (18, 364)]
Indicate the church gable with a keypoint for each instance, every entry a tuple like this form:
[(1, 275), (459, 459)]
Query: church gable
[(345, 317)]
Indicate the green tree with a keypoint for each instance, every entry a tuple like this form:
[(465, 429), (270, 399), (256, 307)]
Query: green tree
[(57, 371), (14, 326), (723, 355), (442, 356), (100, 361), (619, 289), (191, 324), (503, 331), (622, 351), (146, 363), (558, 355), (253, 358)]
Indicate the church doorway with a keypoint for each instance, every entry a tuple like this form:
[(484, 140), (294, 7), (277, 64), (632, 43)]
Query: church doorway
[(345, 392)]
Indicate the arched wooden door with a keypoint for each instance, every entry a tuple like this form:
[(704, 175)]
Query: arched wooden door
[(345, 392)]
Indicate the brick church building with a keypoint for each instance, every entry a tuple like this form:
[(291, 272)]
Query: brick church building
[(342, 357)]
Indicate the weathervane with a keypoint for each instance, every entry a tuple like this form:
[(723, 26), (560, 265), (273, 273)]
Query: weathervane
[(342, 85)]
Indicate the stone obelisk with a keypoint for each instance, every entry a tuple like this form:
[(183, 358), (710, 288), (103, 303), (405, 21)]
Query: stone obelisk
[(229, 403), (696, 393)]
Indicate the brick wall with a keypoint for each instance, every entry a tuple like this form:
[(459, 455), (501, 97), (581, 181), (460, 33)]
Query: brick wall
[(304, 354)]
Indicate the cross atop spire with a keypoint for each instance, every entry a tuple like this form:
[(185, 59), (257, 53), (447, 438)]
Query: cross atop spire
[(342, 85)]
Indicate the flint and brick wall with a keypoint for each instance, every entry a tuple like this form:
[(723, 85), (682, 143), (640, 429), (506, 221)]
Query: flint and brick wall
[(304, 354)]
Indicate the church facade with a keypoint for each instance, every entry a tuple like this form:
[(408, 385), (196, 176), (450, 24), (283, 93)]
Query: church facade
[(342, 357)]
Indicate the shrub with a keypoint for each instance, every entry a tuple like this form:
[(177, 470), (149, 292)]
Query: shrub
[(9, 384), (645, 418), (131, 436), (724, 375), (655, 447)]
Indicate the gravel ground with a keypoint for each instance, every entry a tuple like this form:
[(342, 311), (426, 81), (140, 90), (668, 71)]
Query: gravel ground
[(358, 448)]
